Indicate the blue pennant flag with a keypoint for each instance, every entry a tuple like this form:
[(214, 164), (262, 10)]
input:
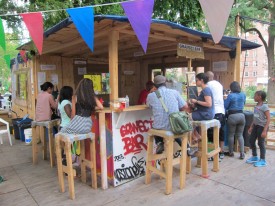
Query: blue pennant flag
[(83, 19)]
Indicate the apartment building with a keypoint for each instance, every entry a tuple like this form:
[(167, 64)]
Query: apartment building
[(254, 70)]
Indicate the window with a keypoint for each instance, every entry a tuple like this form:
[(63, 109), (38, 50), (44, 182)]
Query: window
[(21, 86), (254, 32), (246, 84), (247, 53), (246, 74), (255, 63), (254, 73), (246, 64), (254, 53), (247, 34), (255, 41)]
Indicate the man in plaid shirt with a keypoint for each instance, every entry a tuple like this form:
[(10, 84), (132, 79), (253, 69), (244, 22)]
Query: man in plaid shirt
[(174, 103)]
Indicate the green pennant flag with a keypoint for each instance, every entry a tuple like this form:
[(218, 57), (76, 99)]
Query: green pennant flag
[(7, 60), (2, 36)]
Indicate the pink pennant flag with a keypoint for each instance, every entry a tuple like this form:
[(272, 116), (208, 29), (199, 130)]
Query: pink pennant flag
[(34, 23), (139, 13), (216, 13), (23, 55)]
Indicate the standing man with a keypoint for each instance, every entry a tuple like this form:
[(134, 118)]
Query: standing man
[(174, 103), (217, 91)]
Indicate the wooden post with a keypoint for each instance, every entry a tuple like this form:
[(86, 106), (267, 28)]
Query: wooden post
[(103, 154), (113, 64), (237, 69), (190, 65)]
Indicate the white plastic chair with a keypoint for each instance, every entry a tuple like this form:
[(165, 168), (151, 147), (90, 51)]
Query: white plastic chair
[(5, 131)]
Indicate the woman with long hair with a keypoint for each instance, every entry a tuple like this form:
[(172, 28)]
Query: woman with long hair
[(84, 102), (65, 105)]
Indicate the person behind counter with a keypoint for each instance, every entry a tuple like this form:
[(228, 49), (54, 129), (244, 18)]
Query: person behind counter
[(234, 105), (45, 102), (84, 102), (150, 87)]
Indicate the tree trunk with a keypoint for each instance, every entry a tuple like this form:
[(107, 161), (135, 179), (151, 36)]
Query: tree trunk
[(271, 66)]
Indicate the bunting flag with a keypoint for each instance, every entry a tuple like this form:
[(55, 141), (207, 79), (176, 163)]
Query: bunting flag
[(7, 60), (216, 13), (139, 14), (23, 55), (83, 19), (2, 36), (34, 23)]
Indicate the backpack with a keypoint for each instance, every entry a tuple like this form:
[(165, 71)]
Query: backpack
[(179, 121)]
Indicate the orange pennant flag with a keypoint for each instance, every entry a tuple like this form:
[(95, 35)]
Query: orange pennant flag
[(216, 13), (34, 23)]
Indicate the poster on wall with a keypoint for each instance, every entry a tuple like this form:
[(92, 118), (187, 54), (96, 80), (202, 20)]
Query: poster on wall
[(220, 66), (96, 82), (54, 79), (130, 144), (41, 78)]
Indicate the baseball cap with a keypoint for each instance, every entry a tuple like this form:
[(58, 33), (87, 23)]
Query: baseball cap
[(159, 79)]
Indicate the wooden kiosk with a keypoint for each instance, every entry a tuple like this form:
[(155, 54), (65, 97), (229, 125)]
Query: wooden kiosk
[(118, 54)]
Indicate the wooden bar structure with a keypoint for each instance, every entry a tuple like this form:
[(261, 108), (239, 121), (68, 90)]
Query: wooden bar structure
[(66, 59)]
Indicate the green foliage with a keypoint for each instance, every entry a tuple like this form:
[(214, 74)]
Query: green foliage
[(5, 72), (250, 91)]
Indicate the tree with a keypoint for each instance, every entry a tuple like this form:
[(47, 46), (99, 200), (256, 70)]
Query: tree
[(265, 10)]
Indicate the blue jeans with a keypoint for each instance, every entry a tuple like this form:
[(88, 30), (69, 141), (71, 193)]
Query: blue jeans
[(256, 134)]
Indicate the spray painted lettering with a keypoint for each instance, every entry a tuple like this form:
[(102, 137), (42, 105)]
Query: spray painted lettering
[(118, 158), (137, 169), (134, 143)]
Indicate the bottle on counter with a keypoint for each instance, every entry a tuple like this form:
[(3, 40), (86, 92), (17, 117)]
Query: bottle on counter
[(127, 101), (9, 114)]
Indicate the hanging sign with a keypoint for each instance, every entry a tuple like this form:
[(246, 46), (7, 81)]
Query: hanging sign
[(193, 51), (44, 67)]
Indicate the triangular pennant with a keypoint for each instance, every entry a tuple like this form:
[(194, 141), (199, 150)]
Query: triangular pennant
[(7, 60), (23, 55), (2, 36), (139, 14), (216, 13), (34, 23), (83, 19)]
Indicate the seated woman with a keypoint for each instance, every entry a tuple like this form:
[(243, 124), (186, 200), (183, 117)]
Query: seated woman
[(204, 103), (234, 104)]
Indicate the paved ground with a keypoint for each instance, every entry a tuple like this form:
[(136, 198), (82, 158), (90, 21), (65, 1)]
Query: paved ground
[(237, 183)]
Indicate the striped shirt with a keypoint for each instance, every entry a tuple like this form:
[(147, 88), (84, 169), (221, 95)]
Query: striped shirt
[(173, 102)]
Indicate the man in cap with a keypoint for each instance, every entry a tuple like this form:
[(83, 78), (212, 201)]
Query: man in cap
[(217, 91), (174, 103)]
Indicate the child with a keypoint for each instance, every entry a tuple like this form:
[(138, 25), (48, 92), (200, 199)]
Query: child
[(65, 105), (84, 102), (258, 129)]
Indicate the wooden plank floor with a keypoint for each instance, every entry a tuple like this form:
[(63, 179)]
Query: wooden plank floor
[(237, 183)]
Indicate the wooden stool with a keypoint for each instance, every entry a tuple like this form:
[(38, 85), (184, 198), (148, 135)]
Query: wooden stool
[(203, 153), (169, 162), (38, 131), (68, 139)]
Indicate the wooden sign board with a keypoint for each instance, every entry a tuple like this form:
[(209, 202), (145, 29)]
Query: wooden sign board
[(193, 51)]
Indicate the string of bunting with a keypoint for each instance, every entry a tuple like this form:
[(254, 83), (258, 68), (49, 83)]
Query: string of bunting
[(139, 13)]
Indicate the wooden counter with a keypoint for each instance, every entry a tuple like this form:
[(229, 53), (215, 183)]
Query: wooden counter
[(102, 136)]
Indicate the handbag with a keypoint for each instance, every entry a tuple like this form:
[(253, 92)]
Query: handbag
[(179, 121)]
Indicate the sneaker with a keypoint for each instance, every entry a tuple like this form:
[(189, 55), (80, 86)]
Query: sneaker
[(242, 156), (160, 148), (252, 160), (212, 159), (221, 155), (231, 154), (191, 151), (260, 163)]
